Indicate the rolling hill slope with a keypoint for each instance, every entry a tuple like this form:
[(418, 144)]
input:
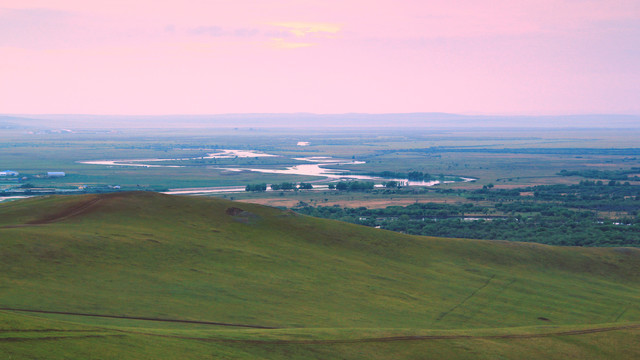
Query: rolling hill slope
[(210, 269)]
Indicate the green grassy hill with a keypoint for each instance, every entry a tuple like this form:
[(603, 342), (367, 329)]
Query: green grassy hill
[(329, 289)]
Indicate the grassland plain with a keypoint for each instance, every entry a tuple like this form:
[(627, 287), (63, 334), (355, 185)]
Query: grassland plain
[(330, 289), (502, 157)]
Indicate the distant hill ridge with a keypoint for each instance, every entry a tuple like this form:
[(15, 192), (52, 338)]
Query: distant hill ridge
[(309, 120)]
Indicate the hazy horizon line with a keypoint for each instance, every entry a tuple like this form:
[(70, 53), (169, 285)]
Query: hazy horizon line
[(308, 120), (331, 114)]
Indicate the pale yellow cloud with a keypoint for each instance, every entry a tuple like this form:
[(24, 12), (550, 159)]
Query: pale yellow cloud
[(301, 29), (281, 43)]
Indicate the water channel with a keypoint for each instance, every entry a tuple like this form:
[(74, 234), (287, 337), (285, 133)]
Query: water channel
[(319, 166)]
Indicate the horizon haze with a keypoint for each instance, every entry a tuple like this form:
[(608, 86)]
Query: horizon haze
[(309, 120)]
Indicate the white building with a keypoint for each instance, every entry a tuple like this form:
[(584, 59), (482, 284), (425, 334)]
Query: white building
[(55, 174)]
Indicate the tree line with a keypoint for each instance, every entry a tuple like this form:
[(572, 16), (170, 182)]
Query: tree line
[(555, 215)]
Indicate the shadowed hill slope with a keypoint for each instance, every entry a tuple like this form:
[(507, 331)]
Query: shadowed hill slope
[(153, 256)]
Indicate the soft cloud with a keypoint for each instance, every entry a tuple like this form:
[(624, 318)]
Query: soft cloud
[(208, 30), (301, 29), (281, 43), (246, 32), (218, 31), (33, 27)]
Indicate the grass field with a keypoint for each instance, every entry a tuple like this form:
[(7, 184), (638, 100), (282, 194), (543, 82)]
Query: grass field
[(371, 199), (330, 289)]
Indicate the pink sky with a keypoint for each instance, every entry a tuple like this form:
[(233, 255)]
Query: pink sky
[(321, 56)]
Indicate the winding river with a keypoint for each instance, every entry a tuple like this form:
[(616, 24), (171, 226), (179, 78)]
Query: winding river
[(318, 166)]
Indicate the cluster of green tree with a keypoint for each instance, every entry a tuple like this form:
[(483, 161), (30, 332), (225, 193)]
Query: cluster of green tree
[(604, 174), (392, 184), (486, 193), (552, 230), (594, 195), (305, 186), (256, 187), (552, 225), (352, 186), (284, 186), (387, 174), (559, 151), (555, 214), (291, 186)]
